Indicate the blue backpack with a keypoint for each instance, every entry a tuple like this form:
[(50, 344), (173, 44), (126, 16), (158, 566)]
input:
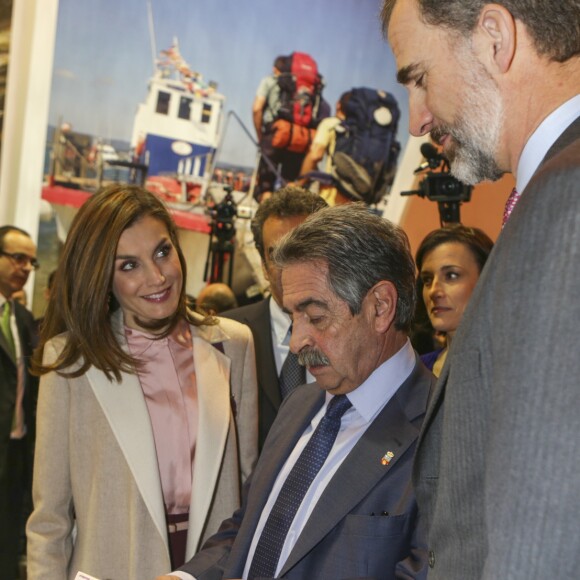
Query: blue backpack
[(366, 152)]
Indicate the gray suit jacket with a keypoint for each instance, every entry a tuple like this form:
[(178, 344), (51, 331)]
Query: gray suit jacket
[(497, 474), (257, 317), (346, 536)]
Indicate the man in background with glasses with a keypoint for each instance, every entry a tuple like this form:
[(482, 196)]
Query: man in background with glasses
[(18, 393)]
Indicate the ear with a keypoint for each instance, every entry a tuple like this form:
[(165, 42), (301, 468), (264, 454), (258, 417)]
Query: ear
[(265, 270), (495, 38), (383, 304)]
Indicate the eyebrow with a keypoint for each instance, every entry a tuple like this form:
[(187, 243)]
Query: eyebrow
[(129, 257), (406, 74), (305, 304), (443, 268)]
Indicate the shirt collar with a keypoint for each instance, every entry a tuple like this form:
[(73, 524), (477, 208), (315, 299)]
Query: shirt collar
[(543, 138), (281, 322), (140, 341), (372, 396)]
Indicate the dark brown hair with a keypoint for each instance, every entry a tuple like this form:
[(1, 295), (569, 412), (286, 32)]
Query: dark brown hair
[(81, 299), (289, 201), (478, 242)]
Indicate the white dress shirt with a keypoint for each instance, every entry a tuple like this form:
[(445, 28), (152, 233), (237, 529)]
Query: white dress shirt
[(543, 138)]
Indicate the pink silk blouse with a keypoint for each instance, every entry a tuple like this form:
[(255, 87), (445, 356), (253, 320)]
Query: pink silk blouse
[(168, 381)]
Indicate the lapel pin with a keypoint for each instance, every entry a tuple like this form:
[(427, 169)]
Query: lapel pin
[(386, 458)]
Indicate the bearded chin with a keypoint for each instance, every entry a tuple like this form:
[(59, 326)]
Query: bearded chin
[(476, 133), (471, 166)]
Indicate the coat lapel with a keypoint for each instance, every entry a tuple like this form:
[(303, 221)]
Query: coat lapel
[(392, 430), (135, 437), (212, 371), (120, 401)]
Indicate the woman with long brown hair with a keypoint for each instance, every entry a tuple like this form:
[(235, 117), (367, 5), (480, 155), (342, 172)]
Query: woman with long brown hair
[(147, 412)]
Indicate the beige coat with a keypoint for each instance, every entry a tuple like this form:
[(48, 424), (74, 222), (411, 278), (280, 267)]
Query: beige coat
[(97, 491)]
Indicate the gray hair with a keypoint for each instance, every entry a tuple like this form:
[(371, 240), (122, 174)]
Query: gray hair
[(554, 25), (360, 249)]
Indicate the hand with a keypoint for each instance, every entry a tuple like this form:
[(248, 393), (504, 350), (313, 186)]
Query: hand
[(168, 577)]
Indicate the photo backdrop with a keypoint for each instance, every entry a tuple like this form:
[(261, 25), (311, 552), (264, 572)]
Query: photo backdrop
[(105, 49)]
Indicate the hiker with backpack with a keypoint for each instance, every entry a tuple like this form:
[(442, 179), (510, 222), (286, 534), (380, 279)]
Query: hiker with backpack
[(286, 111), (361, 148), (323, 145)]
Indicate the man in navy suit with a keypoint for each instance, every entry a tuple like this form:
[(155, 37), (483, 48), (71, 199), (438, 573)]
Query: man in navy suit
[(348, 281), (18, 393), (270, 325), (497, 85)]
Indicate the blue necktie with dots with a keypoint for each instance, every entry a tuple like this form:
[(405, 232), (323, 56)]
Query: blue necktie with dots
[(299, 479)]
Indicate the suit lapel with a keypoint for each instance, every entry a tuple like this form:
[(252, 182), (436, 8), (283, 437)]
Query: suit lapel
[(436, 396), (212, 371), (5, 348), (392, 430), (265, 352)]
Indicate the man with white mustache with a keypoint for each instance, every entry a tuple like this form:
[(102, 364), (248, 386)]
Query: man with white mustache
[(340, 505)]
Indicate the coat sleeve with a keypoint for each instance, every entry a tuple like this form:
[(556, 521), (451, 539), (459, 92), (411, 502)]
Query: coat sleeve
[(50, 527)]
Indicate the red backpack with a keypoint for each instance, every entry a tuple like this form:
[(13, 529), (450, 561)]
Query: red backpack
[(300, 90)]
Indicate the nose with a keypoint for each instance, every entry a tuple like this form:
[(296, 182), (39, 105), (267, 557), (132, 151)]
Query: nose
[(300, 336), (436, 288), (155, 275), (420, 117)]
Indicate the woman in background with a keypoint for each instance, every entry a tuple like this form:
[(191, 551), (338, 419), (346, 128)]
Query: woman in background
[(147, 412), (449, 261)]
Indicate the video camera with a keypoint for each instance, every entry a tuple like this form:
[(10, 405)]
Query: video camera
[(440, 186), (223, 216)]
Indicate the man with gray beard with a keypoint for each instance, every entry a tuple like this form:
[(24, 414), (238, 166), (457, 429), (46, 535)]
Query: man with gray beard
[(330, 496), (497, 474)]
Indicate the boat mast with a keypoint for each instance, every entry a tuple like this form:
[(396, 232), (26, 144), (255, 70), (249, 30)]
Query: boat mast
[(152, 35)]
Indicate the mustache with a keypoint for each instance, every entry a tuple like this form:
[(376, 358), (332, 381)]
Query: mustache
[(310, 357)]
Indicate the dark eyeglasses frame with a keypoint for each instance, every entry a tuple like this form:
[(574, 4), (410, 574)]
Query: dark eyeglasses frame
[(22, 259)]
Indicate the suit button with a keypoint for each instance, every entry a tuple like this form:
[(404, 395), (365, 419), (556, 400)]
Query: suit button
[(431, 559)]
